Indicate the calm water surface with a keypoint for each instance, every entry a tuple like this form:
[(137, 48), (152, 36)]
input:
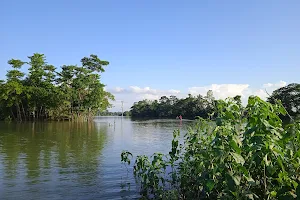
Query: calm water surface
[(62, 160)]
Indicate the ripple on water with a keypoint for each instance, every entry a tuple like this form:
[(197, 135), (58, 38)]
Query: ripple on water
[(62, 160)]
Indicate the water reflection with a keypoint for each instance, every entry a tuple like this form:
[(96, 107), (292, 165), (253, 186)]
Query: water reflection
[(58, 153), (62, 160)]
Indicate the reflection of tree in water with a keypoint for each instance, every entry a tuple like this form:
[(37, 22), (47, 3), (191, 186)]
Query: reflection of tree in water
[(79, 153), (73, 148), (166, 124), (9, 152)]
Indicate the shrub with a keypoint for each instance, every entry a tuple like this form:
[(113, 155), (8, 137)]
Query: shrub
[(246, 153)]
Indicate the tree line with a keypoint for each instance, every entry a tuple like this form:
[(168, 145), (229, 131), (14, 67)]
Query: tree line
[(206, 106), (73, 92), (108, 113), (170, 107)]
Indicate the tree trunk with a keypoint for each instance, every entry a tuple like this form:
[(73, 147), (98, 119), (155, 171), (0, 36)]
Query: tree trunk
[(12, 113), (34, 108), (40, 112), (19, 116), (24, 114), (37, 113)]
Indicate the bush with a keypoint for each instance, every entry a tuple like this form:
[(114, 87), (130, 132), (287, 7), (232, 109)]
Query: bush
[(237, 156)]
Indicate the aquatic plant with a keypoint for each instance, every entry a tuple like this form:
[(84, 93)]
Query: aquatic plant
[(246, 154)]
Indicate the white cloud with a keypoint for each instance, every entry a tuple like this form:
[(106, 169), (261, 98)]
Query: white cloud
[(173, 91), (268, 87), (119, 89), (115, 90), (275, 85), (145, 90), (220, 91), (149, 97), (261, 93), (134, 93), (140, 90)]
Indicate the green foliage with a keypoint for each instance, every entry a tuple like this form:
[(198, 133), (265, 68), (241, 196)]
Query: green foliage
[(125, 157), (189, 107), (73, 92), (237, 156), (127, 113), (290, 98)]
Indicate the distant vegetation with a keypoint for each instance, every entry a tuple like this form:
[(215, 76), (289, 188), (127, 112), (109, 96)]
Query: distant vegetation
[(107, 113), (205, 107), (170, 107), (245, 153), (44, 92)]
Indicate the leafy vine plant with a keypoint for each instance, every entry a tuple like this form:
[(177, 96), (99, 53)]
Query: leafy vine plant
[(242, 153)]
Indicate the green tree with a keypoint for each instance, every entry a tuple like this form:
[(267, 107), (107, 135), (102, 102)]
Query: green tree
[(170, 107), (45, 93), (290, 98), (13, 90)]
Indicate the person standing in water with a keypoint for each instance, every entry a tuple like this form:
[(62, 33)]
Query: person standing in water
[(180, 120)]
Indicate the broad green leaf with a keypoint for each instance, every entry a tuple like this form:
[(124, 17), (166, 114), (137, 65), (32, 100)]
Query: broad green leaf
[(238, 158), (236, 179), (295, 184), (279, 160), (273, 193), (244, 170), (250, 180), (210, 184), (277, 151), (275, 132), (234, 145), (282, 110), (267, 124), (238, 140), (251, 130), (271, 169), (297, 154), (250, 196), (233, 193)]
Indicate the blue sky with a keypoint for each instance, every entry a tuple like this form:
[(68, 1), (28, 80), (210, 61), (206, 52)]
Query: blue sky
[(162, 47)]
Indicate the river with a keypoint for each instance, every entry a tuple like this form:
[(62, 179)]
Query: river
[(64, 160)]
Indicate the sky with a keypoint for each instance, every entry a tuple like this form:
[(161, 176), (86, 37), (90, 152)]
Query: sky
[(158, 48)]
